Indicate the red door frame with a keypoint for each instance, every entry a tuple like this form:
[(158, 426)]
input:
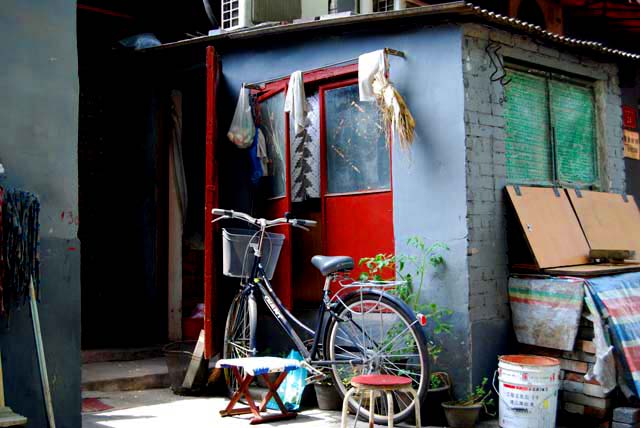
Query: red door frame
[(278, 205), (211, 317), (376, 199), (324, 79)]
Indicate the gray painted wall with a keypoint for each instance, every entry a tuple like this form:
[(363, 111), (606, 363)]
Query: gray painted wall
[(429, 184), (486, 172), (38, 147)]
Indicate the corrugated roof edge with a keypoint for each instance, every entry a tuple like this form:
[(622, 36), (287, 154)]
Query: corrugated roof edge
[(538, 31), (453, 9)]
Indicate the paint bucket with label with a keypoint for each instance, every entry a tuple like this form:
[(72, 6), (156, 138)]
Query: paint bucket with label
[(528, 391)]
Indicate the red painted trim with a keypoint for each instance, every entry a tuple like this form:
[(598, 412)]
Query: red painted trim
[(356, 193), (310, 78), (323, 167), (323, 152), (211, 201), (381, 222), (282, 281), (104, 11), (330, 73)]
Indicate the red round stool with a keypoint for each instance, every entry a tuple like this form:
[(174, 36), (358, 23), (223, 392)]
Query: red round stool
[(380, 383)]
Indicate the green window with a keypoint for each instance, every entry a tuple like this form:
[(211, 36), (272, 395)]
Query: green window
[(550, 125)]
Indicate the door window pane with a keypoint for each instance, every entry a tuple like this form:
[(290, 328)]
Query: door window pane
[(357, 154), (272, 124)]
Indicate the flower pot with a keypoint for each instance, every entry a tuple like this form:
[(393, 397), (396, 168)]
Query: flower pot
[(431, 410), (327, 396), (461, 416)]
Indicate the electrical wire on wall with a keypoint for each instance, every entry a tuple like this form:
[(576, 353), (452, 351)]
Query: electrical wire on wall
[(499, 73)]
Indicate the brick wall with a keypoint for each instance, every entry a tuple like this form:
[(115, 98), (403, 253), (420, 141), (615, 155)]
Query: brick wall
[(486, 161)]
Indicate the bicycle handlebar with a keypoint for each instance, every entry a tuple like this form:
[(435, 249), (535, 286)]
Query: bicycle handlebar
[(260, 221)]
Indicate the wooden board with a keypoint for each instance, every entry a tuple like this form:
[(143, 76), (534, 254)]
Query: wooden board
[(607, 220), (550, 226), (594, 270)]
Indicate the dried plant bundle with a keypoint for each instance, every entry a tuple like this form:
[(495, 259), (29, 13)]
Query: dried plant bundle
[(395, 112)]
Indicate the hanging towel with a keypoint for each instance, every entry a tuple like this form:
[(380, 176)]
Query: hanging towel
[(256, 164), (305, 155), (262, 154), (296, 102), (371, 66)]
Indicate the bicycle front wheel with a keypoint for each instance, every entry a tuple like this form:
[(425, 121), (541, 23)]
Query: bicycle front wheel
[(381, 334), (240, 333)]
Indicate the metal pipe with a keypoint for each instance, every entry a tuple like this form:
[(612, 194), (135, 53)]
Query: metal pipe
[(261, 83)]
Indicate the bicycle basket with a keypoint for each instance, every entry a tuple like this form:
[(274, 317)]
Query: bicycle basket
[(238, 248)]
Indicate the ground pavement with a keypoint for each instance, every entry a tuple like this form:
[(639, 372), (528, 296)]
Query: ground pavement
[(160, 408)]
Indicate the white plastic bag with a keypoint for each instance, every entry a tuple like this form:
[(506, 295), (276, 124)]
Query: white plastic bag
[(242, 128)]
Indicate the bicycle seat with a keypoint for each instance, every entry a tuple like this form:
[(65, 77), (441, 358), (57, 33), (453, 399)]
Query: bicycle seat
[(330, 264)]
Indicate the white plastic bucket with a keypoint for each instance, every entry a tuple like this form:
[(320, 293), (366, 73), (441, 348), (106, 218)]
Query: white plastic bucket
[(528, 391)]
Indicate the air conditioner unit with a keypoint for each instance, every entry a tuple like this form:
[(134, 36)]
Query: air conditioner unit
[(245, 13), (370, 6)]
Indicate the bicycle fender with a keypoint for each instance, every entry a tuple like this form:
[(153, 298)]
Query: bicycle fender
[(379, 293)]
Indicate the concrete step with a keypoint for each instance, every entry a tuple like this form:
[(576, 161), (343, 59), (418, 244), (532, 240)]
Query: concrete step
[(121, 354), (135, 375)]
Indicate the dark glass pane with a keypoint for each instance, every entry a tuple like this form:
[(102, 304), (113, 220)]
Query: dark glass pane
[(272, 117), (357, 154)]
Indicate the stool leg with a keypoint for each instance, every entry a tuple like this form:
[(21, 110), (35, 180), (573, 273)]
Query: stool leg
[(416, 408), (372, 399), (345, 406), (389, 409)]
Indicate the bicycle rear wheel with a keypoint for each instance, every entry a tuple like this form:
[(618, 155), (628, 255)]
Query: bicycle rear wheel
[(240, 333), (383, 332)]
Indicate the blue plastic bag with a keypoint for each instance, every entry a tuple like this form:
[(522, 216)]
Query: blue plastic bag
[(290, 391)]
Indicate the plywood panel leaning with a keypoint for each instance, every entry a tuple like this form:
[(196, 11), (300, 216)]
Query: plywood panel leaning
[(550, 225)]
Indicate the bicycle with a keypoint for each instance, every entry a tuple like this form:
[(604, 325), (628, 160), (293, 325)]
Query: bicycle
[(360, 329)]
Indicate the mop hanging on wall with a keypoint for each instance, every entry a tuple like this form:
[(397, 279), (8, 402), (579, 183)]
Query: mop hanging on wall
[(20, 230)]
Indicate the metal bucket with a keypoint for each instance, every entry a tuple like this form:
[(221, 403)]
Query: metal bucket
[(528, 391)]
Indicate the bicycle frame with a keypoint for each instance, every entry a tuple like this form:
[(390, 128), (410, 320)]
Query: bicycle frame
[(258, 280)]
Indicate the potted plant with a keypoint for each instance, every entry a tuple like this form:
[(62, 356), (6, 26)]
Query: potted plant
[(439, 392), (412, 270), (326, 394), (464, 413)]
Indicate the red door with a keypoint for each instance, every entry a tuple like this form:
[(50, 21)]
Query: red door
[(357, 199), (274, 125)]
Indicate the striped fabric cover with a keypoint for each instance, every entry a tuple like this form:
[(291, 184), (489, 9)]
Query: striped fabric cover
[(546, 311), (618, 297), (256, 366)]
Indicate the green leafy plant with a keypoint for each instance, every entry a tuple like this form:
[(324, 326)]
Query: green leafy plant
[(411, 270), (439, 380), (479, 395)]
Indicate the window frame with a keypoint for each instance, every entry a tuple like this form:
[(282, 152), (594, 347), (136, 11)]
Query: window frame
[(323, 145), (549, 75), (260, 98), (321, 79)]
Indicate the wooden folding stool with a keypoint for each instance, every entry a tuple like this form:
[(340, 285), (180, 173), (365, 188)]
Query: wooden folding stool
[(254, 367)]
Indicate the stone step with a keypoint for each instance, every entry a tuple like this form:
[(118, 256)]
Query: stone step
[(135, 375), (121, 354)]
